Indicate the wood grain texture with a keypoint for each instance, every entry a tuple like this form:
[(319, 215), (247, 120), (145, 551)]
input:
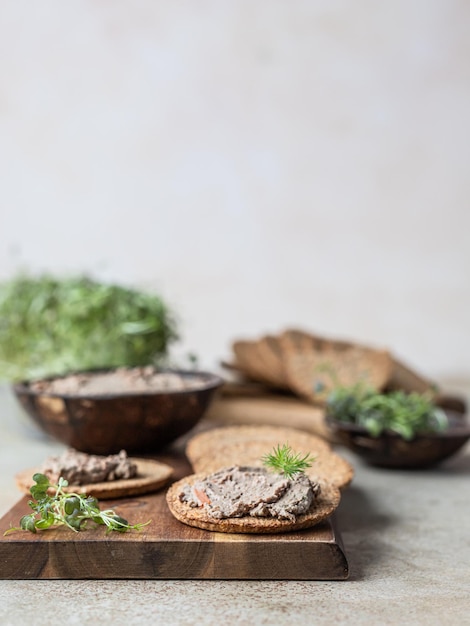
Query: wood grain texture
[(167, 549), (269, 410)]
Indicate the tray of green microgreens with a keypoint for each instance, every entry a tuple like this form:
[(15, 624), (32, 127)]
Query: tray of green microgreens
[(395, 429), (52, 325)]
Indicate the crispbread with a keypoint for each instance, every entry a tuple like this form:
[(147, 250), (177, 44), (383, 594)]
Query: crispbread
[(151, 476), (206, 443), (327, 466), (246, 445), (270, 354), (249, 361), (285, 361), (314, 374), (297, 361), (300, 340), (322, 507), (404, 378), (294, 339)]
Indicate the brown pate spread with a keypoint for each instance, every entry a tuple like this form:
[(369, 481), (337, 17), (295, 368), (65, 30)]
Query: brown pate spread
[(251, 491), (79, 468)]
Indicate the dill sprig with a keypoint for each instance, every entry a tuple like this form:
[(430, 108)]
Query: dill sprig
[(283, 460)]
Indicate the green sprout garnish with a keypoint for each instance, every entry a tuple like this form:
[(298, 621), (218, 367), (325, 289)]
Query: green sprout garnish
[(406, 414), (73, 510), (46, 321), (283, 460)]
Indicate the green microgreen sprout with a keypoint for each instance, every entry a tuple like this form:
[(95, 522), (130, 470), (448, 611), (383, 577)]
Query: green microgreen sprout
[(73, 510), (50, 326), (283, 460), (406, 414)]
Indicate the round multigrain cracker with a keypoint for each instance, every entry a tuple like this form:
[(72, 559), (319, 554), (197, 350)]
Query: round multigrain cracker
[(207, 443), (151, 476), (313, 374), (246, 445), (326, 466), (322, 507)]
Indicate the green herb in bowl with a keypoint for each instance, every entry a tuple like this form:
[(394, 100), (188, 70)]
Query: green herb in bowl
[(406, 414)]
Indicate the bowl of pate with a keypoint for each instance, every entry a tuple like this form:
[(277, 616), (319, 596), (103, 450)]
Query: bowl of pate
[(140, 409)]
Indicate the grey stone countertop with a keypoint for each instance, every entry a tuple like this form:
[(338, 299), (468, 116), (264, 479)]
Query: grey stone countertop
[(406, 536)]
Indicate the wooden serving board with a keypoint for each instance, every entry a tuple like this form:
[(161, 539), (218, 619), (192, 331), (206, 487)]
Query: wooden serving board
[(268, 409), (167, 549)]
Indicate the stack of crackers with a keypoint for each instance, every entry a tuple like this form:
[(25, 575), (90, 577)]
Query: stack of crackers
[(285, 379), (310, 366), (212, 450)]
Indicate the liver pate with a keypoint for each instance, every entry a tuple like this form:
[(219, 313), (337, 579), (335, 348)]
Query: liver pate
[(251, 491), (79, 468)]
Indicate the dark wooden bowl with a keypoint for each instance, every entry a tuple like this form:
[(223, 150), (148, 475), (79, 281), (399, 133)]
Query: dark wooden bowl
[(392, 451), (137, 422)]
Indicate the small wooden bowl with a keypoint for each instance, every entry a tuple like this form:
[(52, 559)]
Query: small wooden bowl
[(142, 422), (392, 451)]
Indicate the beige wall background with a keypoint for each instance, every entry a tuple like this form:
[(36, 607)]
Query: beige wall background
[(261, 164)]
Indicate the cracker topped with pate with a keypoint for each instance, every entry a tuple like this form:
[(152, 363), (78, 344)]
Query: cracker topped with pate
[(278, 497), (104, 477), (250, 500), (245, 445)]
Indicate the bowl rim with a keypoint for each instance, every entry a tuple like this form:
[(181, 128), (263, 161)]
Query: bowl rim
[(212, 381)]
